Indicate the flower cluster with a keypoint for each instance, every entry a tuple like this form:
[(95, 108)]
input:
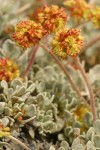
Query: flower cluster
[(8, 69), (79, 114), (51, 18), (28, 33), (95, 17), (79, 9), (67, 42), (4, 131)]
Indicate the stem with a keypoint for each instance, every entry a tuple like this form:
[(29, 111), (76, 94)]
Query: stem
[(90, 43), (65, 71), (89, 87), (44, 3), (31, 61), (19, 142), (91, 1), (23, 8)]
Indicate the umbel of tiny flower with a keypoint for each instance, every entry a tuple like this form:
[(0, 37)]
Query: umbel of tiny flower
[(52, 18), (8, 69), (79, 9), (4, 131), (79, 114), (28, 33), (95, 17), (67, 42)]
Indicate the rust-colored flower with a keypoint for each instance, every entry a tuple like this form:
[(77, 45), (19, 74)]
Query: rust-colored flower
[(79, 9), (95, 17), (67, 42), (8, 69), (52, 18), (28, 33)]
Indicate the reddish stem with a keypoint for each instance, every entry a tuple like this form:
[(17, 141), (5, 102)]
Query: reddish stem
[(31, 61), (90, 43), (44, 2), (89, 87)]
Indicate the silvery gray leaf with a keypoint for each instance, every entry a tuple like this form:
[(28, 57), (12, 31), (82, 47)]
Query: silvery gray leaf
[(97, 126), (96, 140), (90, 146), (75, 143), (65, 145)]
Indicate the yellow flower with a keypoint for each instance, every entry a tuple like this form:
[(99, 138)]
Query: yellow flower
[(8, 69), (79, 114), (4, 131), (28, 33), (52, 18), (95, 17), (79, 9), (67, 42)]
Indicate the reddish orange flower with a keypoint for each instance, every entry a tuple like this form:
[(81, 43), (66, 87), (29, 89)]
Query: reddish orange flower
[(51, 18), (8, 69), (79, 9), (28, 33), (67, 42)]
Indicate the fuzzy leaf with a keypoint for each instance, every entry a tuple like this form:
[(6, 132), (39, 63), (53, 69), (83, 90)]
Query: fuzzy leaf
[(96, 140), (31, 132), (5, 121), (68, 131), (78, 147), (2, 105), (75, 143), (90, 146), (51, 148), (65, 145), (31, 111), (97, 126), (88, 119)]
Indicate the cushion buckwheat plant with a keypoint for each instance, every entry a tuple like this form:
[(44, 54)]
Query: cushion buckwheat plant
[(67, 42), (52, 18), (28, 33), (8, 69)]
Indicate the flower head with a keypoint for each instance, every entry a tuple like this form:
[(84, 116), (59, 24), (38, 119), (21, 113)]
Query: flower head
[(4, 131), (95, 17), (67, 42), (79, 114), (8, 69), (51, 18), (28, 33), (79, 9)]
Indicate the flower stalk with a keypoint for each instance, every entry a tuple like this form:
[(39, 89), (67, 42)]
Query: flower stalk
[(44, 3), (34, 51), (90, 43), (89, 87)]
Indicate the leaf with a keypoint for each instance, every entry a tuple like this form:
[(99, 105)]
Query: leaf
[(96, 140), (65, 145), (97, 126), (75, 143)]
